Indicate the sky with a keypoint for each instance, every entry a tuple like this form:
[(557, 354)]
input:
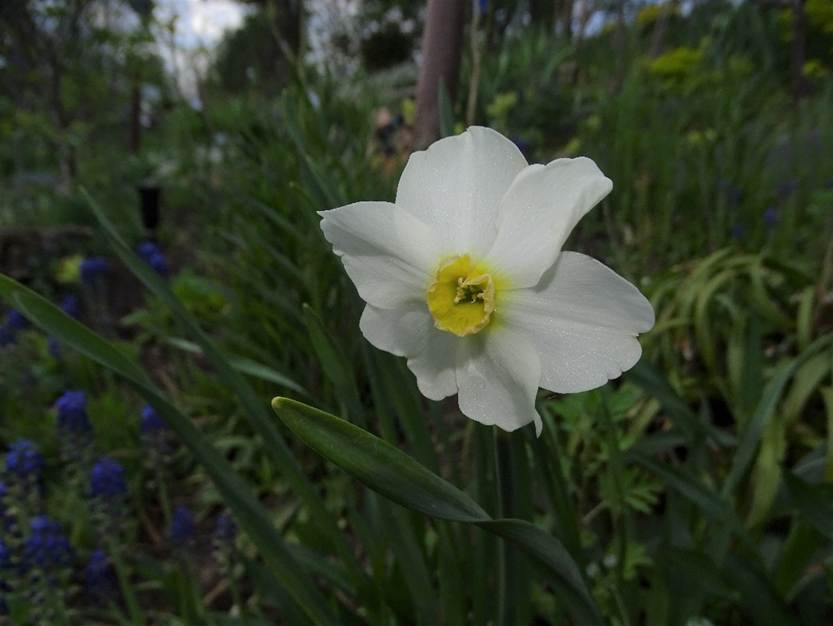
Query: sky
[(198, 27), (200, 22)]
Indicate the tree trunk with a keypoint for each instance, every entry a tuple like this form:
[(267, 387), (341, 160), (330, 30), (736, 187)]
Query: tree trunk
[(442, 44)]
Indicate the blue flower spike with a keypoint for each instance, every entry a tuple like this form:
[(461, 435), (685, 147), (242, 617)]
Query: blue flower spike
[(182, 528), (93, 269), (107, 481), (72, 413)]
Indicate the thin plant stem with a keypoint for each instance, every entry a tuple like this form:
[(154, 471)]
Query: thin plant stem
[(501, 545), (136, 616), (549, 448), (617, 511), (163, 494)]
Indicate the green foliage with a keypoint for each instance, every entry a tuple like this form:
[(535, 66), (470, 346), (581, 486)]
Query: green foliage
[(677, 64), (694, 491)]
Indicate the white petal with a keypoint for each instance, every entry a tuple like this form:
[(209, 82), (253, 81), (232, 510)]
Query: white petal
[(538, 213), (401, 331), (583, 319), (455, 186), (409, 331), (387, 252), (435, 366), (498, 372)]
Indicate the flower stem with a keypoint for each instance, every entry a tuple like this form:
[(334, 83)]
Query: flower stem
[(502, 605), (618, 510), (548, 449), (128, 592)]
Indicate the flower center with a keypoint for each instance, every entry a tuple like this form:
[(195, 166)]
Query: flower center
[(462, 296)]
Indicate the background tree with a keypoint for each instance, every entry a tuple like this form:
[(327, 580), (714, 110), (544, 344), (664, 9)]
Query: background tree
[(441, 50)]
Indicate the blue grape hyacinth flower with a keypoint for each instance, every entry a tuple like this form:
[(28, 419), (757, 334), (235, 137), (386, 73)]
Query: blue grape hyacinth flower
[(225, 531), (14, 323), (107, 480), (99, 577), (16, 320), (71, 305), (182, 528), (72, 412), (47, 547), (146, 249), (93, 268), (159, 264), (150, 422), (770, 217), (152, 254), (224, 528), (24, 460), (7, 335), (5, 555)]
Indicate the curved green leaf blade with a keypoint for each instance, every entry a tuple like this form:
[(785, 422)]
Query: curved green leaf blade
[(335, 365), (760, 601), (754, 428), (814, 502), (711, 503), (378, 464), (243, 365), (649, 378), (399, 477)]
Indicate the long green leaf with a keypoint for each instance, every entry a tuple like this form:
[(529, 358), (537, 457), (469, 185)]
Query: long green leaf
[(814, 502), (758, 597), (399, 477), (707, 500), (335, 365), (651, 380), (248, 511), (548, 449), (244, 366), (751, 435)]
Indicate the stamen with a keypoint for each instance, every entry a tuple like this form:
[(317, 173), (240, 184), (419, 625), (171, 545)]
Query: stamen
[(462, 298)]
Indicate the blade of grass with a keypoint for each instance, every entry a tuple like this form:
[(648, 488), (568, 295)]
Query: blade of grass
[(711, 503), (244, 366), (651, 380), (335, 365), (813, 502), (548, 449), (499, 463), (751, 435)]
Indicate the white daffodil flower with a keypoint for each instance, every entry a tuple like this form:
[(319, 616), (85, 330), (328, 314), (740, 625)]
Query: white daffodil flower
[(465, 277)]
